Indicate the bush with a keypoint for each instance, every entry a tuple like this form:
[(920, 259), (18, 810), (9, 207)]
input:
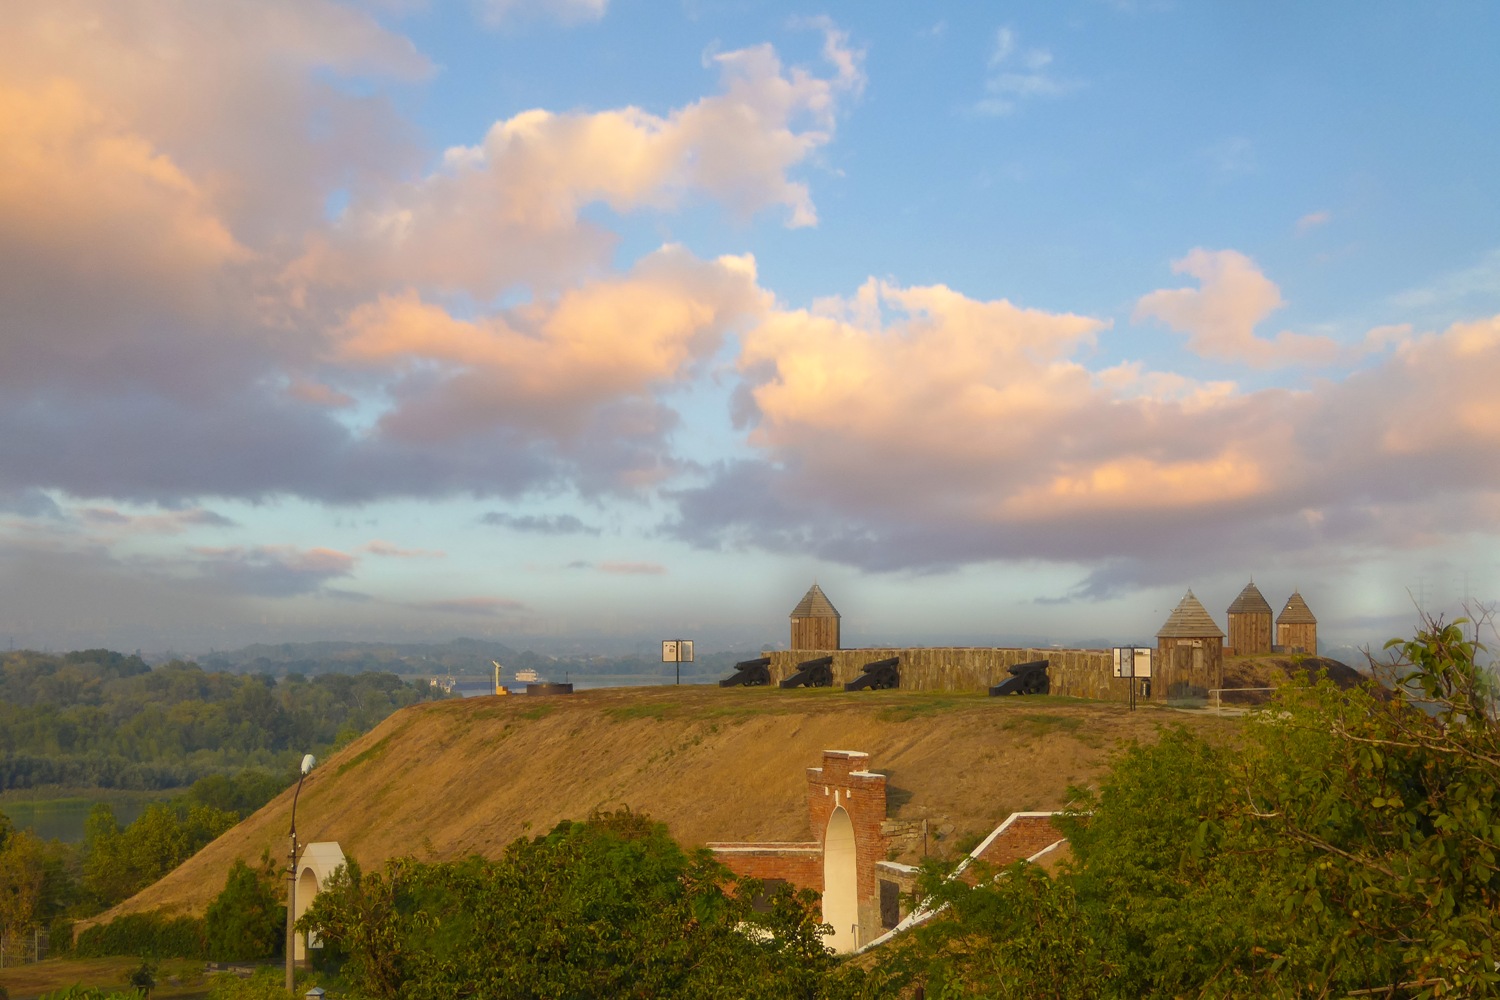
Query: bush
[(246, 921), (145, 934)]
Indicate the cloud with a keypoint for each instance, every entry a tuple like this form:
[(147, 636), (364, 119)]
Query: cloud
[(507, 210), (479, 607), (191, 324), (912, 429), (1477, 286), (563, 11), (172, 522), (1221, 315), (582, 372), (1313, 220), (632, 568), (29, 503), (270, 570), (1231, 157), (389, 551), (1017, 75), (548, 524)]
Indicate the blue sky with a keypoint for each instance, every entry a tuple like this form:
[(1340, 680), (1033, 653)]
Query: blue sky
[(579, 323)]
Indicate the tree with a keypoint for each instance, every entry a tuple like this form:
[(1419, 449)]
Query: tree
[(609, 907), (1346, 842), (247, 921), (23, 878)]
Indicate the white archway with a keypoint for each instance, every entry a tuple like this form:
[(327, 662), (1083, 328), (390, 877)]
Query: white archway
[(318, 861), (840, 882)]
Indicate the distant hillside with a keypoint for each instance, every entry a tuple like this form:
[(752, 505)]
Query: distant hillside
[(451, 778), (458, 657)]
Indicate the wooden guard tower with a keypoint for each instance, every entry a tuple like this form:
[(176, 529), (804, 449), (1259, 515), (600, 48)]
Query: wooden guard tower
[(1250, 622), (815, 621), (1296, 628), (1190, 650)]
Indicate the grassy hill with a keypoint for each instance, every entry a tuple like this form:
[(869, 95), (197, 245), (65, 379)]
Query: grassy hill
[(446, 779)]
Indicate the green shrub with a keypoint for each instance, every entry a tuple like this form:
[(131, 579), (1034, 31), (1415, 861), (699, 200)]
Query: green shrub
[(246, 921), (145, 934)]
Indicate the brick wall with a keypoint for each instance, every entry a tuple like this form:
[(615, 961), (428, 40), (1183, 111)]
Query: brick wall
[(1018, 838), (799, 864)]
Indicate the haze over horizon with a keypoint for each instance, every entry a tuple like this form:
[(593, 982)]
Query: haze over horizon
[(565, 318)]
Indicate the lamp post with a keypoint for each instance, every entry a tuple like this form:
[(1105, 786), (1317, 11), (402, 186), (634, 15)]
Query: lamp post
[(291, 889)]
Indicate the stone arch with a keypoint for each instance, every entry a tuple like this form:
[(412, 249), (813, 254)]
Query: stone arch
[(840, 882)]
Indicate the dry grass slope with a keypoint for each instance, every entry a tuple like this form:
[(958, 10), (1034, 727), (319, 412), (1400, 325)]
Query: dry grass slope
[(447, 779)]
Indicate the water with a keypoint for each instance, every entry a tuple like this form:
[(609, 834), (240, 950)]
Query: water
[(475, 689), (63, 819)]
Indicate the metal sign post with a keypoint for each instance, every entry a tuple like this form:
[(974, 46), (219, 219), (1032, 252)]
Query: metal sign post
[(678, 651)]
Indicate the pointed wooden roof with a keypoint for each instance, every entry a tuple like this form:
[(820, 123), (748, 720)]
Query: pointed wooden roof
[(815, 604), (1296, 612), (1190, 620), (1250, 602)]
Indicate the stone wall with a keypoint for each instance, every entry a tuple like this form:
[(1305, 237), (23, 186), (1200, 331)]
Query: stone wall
[(1078, 673)]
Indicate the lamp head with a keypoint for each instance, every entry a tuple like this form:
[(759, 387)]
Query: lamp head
[(307, 763)]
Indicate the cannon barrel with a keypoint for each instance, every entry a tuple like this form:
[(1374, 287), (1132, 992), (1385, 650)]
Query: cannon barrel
[(749, 673), (1026, 678), (811, 673), (878, 675)]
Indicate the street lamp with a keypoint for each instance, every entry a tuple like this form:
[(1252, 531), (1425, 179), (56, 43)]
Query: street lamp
[(291, 891)]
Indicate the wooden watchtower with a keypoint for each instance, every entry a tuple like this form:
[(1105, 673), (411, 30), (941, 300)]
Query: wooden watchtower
[(1189, 649), (815, 621), (1250, 623), (1296, 628)]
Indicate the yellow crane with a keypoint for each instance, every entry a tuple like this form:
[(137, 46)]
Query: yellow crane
[(498, 688)]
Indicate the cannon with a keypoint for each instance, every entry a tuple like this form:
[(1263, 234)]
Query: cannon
[(812, 673), (1026, 678), (878, 675), (749, 673)]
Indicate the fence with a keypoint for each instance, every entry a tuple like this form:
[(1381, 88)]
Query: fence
[(24, 948)]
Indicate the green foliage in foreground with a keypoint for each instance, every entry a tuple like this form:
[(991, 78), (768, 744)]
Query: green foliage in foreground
[(1349, 843), (612, 907)]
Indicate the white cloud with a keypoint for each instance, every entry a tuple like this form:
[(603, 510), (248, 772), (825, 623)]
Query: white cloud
[(563, 11), (1018, 74), (1313, 220)]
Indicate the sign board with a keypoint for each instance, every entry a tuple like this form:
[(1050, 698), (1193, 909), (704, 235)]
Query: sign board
[(1132, 661), (677, 651)]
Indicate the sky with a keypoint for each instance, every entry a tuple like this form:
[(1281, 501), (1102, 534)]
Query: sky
[(585, 323)]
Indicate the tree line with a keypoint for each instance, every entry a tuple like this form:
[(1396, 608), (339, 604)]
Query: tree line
[(100, 719)]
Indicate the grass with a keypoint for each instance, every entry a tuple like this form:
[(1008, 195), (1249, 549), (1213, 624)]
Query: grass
[(368, 754), (625, 713), (110, 973)]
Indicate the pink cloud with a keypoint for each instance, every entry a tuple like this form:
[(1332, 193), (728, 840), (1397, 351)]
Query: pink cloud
[(1220, 316), (386, 549), (547, 368), (632, 568), (1313, 220)]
